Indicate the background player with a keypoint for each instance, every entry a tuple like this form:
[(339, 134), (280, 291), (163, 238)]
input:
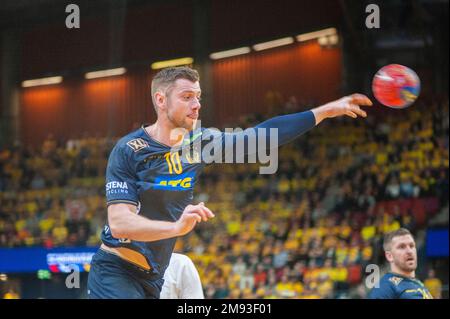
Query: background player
[(181, 279), (400, 283)]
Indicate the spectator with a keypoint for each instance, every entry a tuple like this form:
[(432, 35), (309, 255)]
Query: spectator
[(433, 284)]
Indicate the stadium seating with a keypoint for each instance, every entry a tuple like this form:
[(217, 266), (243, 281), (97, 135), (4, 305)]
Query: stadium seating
[(306, 232)]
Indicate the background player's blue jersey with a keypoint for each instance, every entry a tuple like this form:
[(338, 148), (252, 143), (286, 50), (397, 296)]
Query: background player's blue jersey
[(394, 286), (160, 180)]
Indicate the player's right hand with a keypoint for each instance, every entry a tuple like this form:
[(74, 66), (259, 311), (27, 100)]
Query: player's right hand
[(348, 105), (192, 215)]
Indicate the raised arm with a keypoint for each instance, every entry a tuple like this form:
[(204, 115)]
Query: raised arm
[(291, 126)]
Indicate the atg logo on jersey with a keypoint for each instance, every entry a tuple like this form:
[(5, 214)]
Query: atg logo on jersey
[(116, 188), (180, 182), (137, 144)]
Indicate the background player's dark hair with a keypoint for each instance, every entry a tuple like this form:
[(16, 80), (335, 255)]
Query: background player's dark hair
[(166, 77), (391, 235)]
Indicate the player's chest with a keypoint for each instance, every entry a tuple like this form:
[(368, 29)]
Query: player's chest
[(168, 170), (414, 291)]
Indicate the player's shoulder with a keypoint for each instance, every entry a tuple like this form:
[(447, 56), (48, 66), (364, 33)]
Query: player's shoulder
[(391, 279), (131, 143), (199, 135), (209, 132), (387, 287)]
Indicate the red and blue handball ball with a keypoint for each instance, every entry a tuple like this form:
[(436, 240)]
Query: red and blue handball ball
[(396, 86)]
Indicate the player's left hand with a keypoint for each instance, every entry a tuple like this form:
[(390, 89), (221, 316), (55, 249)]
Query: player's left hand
[(192, 215)]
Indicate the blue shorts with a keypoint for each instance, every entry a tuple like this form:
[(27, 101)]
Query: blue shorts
[(111, 277)]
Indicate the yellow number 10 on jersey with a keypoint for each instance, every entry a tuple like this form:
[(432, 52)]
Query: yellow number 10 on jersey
[(174, 163)]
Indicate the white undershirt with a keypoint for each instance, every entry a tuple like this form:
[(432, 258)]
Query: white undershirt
[(181, 279)]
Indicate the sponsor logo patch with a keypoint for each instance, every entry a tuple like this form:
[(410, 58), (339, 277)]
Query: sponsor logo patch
[(115, 187), (176, 183), (137, 144), (395, 280)]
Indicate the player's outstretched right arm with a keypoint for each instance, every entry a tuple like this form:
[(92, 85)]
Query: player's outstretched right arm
[(290, 126), (125, 223)]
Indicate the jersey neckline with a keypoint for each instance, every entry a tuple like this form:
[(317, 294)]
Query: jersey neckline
[(190, 136), (152, 139), (403, 276)]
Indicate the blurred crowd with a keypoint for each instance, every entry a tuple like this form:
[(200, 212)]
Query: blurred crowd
[(306, 232)]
